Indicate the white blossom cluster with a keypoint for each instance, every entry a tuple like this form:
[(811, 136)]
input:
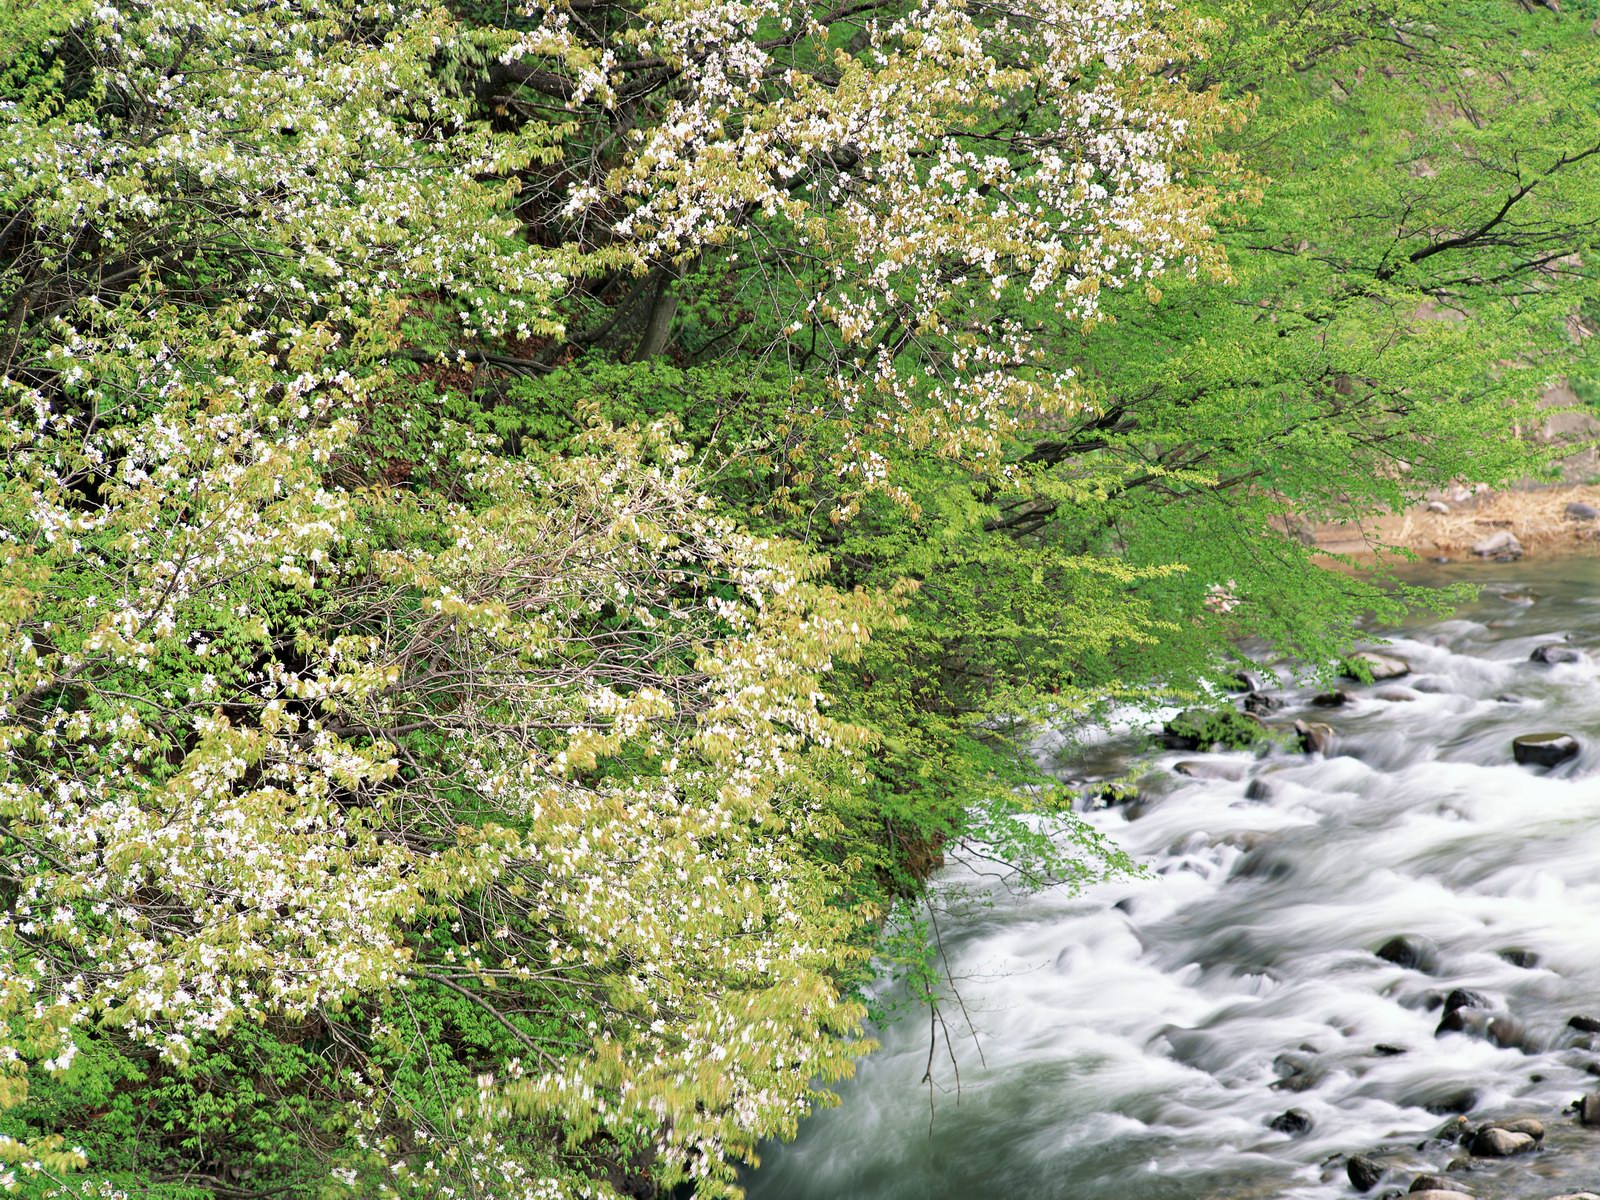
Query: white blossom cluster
[(955, 158)]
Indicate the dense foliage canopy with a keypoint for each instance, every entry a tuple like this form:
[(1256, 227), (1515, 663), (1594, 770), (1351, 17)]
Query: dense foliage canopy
[(526, 530)]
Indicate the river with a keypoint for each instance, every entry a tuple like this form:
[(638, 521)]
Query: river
[(1137, 1041)]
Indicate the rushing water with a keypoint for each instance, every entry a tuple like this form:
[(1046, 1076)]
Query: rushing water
[(1137, 1040)]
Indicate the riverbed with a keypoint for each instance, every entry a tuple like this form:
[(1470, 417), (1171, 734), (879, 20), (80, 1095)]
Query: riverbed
[(1140, 1040)]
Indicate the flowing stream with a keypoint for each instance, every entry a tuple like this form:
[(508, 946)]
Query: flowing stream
[(1138, 1040)]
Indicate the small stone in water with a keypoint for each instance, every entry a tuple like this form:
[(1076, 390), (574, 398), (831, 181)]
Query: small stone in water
[(1518, 957), (1531, 1126), (1388, 1050), (1259, 789), (1378, 666), (1335, 699), (1463, 1100), (1436, 1183), (1410, 950), (1502, 1143), (1260, 702), (1507, 1033), (1589, 1109), (1544, 749), (1314, 738), (1555, 654), (1465, 998), (1398, 694), (1583, 1024), (1364, 1172), (1203, 769), (1294, 1122)]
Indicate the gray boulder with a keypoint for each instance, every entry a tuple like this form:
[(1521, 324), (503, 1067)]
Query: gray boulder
[(1579, 511)]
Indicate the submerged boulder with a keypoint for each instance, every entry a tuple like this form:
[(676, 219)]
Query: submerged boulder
[(1544, 749)]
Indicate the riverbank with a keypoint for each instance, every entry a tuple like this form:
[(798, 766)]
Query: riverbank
[(1545, 522)]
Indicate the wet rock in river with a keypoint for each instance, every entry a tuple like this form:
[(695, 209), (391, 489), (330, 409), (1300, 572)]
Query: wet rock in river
[(1531, 1126), (1315, 738), (1432, 685), (1446, 1100), (1257, 703), (1465, 998), (1490, 1142), (1431, 1183), (1411, 950), (1259, 789), (1388, 1050), (1589, 1109), (1498, 545), (1544, 749), (1294, 1122), (1576, 1196), (1584, 1024), (1398, 694), (1247, 681), (1364, 1172), (1222, 769), (1439, 1194), (1334, 699), (1377, 666), (1555, 654), (1518, 957)]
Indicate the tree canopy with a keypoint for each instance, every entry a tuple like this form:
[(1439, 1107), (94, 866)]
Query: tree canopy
[(526, 531)]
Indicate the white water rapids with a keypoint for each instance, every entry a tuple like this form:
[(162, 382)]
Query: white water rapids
[(1138, 1039)]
